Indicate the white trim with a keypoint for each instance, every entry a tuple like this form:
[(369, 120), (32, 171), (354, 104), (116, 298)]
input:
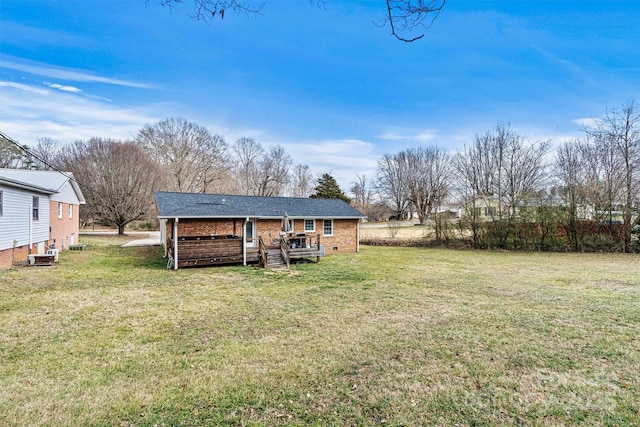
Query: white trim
[(254, 217), (254, 230), (305, 224), (332, 228), (244, 241), (175, 244)]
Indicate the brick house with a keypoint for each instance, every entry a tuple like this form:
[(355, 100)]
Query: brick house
[(215, 229), (39, 210)]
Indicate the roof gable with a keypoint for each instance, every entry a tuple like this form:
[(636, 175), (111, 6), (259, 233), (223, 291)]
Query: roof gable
[(197, 205), (50, 182)]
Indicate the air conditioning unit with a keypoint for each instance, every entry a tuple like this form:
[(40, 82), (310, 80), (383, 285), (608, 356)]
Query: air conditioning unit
[(32, 259), (53, 252)]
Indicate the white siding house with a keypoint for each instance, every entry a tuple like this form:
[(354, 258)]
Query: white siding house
[(24, 221), (30, 217)]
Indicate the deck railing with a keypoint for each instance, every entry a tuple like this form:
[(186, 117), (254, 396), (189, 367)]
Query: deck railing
[(284, 249), (262, 250), (305, 246)]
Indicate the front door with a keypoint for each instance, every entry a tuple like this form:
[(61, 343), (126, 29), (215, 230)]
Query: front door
[(250, 233)]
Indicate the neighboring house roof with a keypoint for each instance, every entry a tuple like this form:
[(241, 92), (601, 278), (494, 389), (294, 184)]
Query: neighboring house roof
[(49, 182), (198, 205), (25, 186)]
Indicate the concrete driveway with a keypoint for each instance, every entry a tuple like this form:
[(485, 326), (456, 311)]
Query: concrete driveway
[(152, 240)]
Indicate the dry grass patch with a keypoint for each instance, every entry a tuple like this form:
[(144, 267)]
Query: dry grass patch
[(400, 336)]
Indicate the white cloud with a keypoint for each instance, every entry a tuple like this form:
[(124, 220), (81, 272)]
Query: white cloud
[(343, 158), (60, 73), (419, 136), (30, 112), (588, 122), (23, 87), (63, 87)]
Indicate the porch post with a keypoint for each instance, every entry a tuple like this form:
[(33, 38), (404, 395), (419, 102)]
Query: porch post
[(358, 236), (175, 244)]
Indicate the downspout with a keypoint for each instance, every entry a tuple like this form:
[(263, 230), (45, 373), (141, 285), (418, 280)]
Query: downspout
[(30, 229), (175, 244), (244, 241)]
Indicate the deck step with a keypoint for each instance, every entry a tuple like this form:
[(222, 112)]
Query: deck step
[(275, 260)]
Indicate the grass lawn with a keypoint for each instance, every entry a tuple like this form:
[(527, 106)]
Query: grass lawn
[(393, 336)]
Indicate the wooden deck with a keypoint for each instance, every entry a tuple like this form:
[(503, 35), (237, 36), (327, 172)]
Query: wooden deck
[(204, 251)]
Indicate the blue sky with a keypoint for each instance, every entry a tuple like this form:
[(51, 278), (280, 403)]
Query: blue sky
[(327, 83)]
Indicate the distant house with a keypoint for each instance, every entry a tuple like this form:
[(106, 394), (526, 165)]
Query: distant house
[(39, 210), (482, 208), (216, 229)]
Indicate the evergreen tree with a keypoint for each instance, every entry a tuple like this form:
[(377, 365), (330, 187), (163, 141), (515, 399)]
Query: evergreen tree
[(328, 188)]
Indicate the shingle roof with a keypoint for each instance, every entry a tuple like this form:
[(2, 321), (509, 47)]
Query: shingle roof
[(49, 181), (197, 205)]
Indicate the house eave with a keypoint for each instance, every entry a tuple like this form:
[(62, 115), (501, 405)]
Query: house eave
[(278, 217), (24, 186)]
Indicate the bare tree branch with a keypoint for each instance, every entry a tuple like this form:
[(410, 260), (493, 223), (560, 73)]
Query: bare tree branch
[(406, 15), (402, 15), (207, 10)]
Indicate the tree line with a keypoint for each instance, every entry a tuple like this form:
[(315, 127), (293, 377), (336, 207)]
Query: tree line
[(506, 190), (118, 178), (516, 193)]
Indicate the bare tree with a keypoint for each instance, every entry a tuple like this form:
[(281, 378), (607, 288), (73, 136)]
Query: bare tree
[(247, 155), (117, 178), (603, 176), (301, 181), (272, 174), (498, 172), (362, 193), (261, 173), (524, 173), (569, 167), (473, 181), (392, 184), (427, 171), (403, 16), (45, 154), (194, 158), (619, 134)]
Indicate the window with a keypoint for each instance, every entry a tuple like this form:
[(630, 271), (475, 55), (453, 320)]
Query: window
[(309, 225), (291, 225), (70, 211), (36, 208), (327, 227), (0, 203), (60, 210), (490, 211)]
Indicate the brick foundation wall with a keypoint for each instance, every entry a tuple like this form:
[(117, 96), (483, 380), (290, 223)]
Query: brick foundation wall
[(20, 253)]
